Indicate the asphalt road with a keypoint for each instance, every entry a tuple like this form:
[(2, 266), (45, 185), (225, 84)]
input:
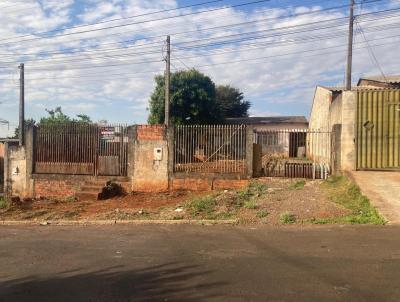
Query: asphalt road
[(199, 263)]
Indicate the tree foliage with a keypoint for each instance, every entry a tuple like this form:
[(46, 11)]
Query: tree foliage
[(57, 116), (193, 99), (231, 101)]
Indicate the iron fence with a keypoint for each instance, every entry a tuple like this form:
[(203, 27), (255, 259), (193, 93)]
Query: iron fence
[(303, 153), (210, 148), (82, 149)]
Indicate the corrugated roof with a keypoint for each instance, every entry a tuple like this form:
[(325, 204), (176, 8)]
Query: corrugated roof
[(254, 120), (392, 79), (354, 88)]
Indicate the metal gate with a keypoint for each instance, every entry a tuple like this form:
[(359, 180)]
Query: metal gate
[(81, 149), (210, 149), (378, 130)]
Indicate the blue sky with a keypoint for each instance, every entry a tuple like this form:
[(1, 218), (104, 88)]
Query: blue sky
[(109, 79)]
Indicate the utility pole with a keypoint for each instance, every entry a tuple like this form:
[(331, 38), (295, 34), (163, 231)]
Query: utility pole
[(167, 81), (21, 131), (350, 46)]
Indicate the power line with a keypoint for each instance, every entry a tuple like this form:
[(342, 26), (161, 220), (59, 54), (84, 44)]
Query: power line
[(134, 23), (186, 42)]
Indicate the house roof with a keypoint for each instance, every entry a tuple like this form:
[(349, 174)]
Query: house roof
[(393, 79), (267, 120), (353, 88)]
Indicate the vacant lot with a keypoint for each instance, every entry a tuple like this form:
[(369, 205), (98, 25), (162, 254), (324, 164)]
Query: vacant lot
[(265, 200)]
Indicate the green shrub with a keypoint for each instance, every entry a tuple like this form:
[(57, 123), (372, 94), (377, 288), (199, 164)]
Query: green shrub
[(287, 218)]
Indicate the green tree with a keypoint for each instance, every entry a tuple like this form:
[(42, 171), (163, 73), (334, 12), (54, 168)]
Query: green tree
[(193, 99), (56, 116), (231, 101)]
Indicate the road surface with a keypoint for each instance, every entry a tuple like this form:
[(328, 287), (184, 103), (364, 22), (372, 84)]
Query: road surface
[(199, 263)]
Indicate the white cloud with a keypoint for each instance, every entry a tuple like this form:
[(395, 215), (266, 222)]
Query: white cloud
[(277, 84)]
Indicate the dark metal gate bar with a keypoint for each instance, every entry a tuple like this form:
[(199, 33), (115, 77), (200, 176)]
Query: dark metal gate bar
[(378, 129), (210, 149), (81, 149)]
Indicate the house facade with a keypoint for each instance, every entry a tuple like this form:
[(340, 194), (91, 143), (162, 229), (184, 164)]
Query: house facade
[(365, 123)]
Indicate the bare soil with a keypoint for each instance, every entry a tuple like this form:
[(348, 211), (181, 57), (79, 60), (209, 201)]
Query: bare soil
[(280, 196)]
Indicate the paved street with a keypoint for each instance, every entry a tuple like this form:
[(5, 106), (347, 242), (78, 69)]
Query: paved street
[(199, 263)]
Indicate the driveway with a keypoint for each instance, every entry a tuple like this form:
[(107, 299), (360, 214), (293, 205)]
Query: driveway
[(199, 263), (383, 189)]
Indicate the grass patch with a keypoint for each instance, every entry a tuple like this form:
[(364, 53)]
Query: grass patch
[(344, 192), (261, 214), (3, 203), (251, 204), (298, 185), (202, 205), (287, 218)]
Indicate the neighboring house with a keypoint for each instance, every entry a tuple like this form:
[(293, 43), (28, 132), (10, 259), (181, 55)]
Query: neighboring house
[(380, 82), (281, 135), (365, 123)]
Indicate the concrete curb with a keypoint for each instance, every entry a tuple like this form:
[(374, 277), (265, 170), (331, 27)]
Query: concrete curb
[(114, 222)]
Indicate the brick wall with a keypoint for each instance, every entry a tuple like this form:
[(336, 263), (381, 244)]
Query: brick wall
[(150, 132), (207, 184), (55, 188)]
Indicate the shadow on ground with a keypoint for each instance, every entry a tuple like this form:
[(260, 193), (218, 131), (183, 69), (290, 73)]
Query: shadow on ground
[(168, 282)]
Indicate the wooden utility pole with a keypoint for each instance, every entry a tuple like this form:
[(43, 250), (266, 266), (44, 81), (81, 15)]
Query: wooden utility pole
[(21, 131), (167, 81), (350, 46)]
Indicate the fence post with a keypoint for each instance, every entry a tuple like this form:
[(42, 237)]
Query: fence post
[(249, 150)]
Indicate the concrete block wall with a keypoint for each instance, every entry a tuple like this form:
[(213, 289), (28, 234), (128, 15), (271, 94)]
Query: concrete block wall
[(150, 171), (348, 135)]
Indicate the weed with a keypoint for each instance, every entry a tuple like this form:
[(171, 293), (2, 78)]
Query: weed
[(344, 192), (70, 199), (298, 185), (287, 218), (250, 204), (3, 203), (262, 214), (202, 205)]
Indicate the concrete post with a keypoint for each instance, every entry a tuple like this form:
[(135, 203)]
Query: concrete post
[(30, 155), (249, 150), (7, 180), (170, 144), (348, 135), (132, 133)]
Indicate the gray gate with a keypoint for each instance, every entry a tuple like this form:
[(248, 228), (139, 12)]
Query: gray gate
[(81, 149)]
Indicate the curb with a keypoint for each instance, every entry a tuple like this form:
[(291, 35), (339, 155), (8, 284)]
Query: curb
[(115, 222)]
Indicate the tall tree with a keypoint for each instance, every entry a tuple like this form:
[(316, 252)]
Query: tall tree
[(193, 99), (231, 101)]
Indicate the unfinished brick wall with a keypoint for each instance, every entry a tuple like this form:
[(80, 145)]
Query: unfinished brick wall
[(150, 132), (55, 188), (207, 184)]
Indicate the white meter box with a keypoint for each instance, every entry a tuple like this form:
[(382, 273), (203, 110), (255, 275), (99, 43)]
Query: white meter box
[(158, 153)]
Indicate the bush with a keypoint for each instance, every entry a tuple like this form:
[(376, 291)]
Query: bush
[(111, 189)]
